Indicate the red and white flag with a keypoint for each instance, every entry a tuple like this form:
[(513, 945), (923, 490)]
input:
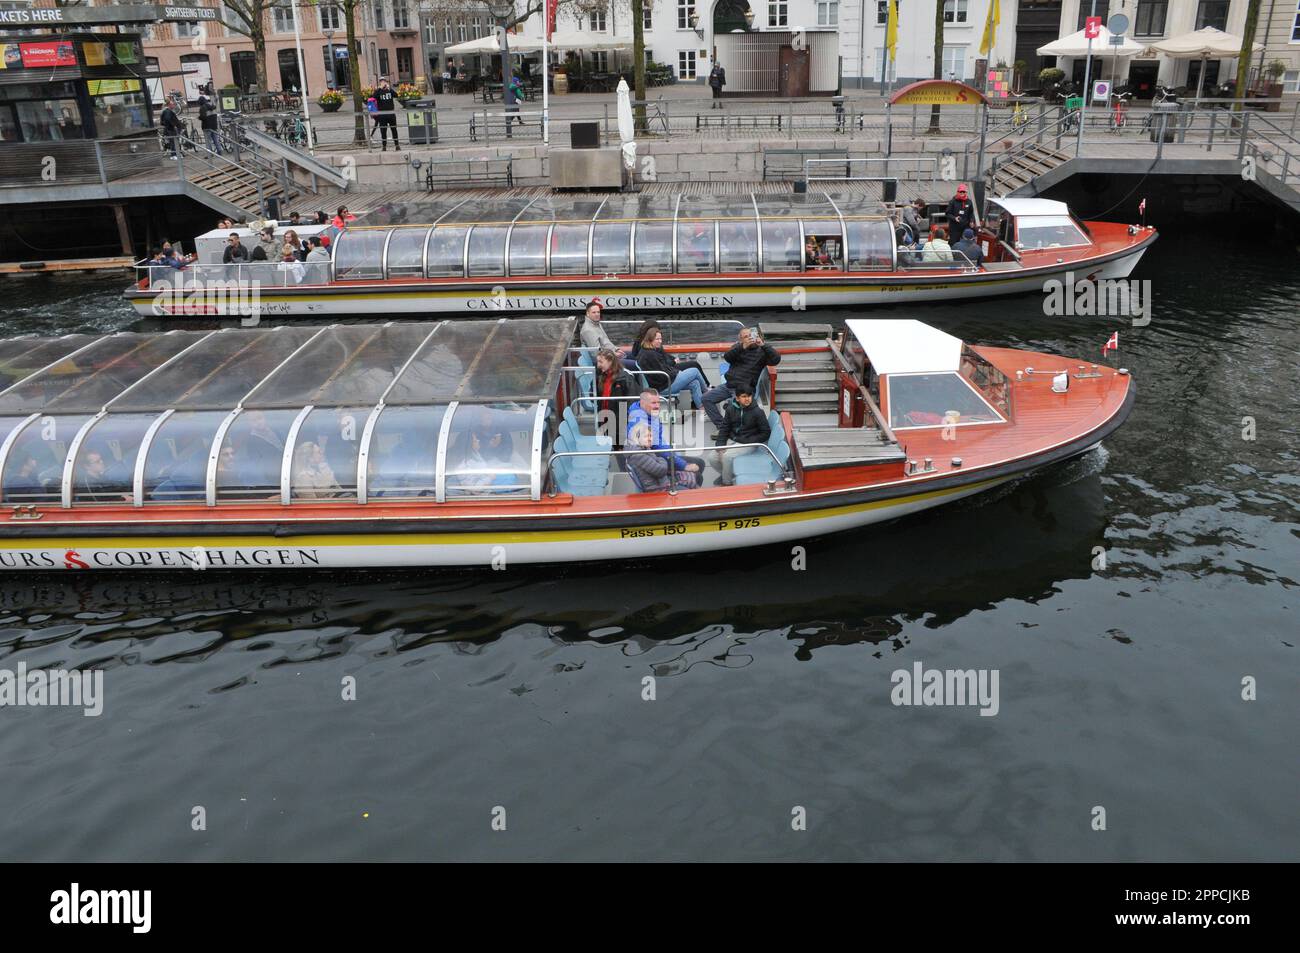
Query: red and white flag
[(1142, 207), (551, 6), (1112, 344)]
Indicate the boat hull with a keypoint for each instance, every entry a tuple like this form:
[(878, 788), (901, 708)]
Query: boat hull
[(637, 293)]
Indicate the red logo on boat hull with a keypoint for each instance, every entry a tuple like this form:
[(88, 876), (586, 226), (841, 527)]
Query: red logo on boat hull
[(72, 560)]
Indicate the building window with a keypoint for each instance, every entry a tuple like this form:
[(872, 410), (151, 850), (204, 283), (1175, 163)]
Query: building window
[(684, 10), (401, 18), (828, 12), (462, 31), (1212, 13), (598, 21), (778, 13), (1085, 11), (383, 62), (480, 28), (1291, 79), (380, 21), (954, 61), (647, 17), (446, 31), (430, 32), (1295, 26), (282, 19), (893, 65), (600, 61), (686, 64), (954, 11), (1151, 17), (330, 18), (882, 12), (189, 28)]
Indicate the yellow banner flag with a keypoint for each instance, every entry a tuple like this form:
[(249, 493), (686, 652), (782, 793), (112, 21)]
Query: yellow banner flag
[(891, 30), (990, 29)]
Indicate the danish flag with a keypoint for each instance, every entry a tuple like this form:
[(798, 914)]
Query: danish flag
[(1112, 344)]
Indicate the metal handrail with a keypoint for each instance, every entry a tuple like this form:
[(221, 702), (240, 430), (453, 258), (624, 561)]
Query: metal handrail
[(555, 455)]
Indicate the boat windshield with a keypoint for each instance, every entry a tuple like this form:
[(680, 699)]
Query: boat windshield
[(936, 400), (1034, 232), (448, 410)]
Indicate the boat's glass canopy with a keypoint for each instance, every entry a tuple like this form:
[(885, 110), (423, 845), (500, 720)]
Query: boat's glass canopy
[(344, 412), (646, 233)]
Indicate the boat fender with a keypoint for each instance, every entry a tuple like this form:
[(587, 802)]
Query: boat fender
[(31, 266)]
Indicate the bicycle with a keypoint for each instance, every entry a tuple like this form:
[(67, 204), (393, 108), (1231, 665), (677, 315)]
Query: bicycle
[(1119, 111), (1019, 117)]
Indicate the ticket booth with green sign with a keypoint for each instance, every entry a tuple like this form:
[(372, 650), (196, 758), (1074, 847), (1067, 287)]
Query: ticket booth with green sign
[(422, 122)]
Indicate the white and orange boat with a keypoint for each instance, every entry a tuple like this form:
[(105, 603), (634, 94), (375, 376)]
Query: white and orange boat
[(471, 443), (648, 252)]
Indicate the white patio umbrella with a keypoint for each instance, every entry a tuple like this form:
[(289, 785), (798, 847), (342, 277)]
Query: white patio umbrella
[(571, 40), (1204, 44), (626, 128), (489, 44), (1076, 44)]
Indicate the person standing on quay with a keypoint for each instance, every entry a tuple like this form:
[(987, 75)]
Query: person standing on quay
[(717, 79), (386, 113)]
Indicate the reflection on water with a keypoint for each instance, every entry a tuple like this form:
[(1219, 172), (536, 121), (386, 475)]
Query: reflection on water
[(1122, 597)]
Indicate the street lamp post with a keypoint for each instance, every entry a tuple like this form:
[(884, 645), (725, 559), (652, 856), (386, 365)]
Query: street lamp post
[(501, 11), (302, 80), (333, 77)]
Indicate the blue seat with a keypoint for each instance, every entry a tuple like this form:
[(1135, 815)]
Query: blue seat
[(759, 467), (578, 438), (587, 382), (576, 441), (577, 480)]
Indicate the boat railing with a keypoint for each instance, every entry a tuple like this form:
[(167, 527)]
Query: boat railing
[(959, 260), (785, 468), (196, 276)]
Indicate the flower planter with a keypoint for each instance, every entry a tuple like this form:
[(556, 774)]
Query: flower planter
[(331, 107)]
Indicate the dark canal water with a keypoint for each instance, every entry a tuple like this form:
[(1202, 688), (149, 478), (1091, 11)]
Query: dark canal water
[(1120, 687)]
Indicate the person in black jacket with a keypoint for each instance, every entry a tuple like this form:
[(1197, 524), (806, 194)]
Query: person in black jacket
[(747, 359), (653, 357), (717, 79), (235, 251), (961, 214), (171, 127), (386, 116), (210, 121), (612, 381), (743, 421)]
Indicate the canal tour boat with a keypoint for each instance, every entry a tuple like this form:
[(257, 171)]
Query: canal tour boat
[(644, 253), (477, 443)]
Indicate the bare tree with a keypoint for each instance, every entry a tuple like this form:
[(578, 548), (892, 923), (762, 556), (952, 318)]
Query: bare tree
[(938, 59), (248, 18)]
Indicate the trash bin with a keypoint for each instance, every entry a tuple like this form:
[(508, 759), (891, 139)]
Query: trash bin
[(1166, 113), (422, 122)]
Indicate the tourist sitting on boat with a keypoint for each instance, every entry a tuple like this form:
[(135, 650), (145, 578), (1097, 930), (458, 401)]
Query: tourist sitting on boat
[(95, 481), (292, 249), (267, 248), (611, 381), (681, 376), (592, 334), (641, 332), (342, 217), (646, 411), (472, 456), (175, 258), (652, 472), (313, 478), (746, 361), (969, 247), (912, 215), (937, 248), (743, 421), (909, 252), (235, 252)]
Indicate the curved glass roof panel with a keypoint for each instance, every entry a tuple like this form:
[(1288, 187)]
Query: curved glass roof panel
[(627, 207), (695, 246), (716, 206), (738, 244), (488, 211), (324, 465), (528, 249), (611, 248), (406, 252), (424, 212), (402, 457), (23, 357), (489, 450), (869, 244), (176, 464), (33, 470), (252, 455), (104, 471), (447, 252), (359, 253), (810, 204), (487, 250), (569, 249), (344, 364), (561, 208), (86, 381)]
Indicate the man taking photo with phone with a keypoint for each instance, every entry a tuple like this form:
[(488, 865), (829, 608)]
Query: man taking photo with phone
[(747, 359)]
